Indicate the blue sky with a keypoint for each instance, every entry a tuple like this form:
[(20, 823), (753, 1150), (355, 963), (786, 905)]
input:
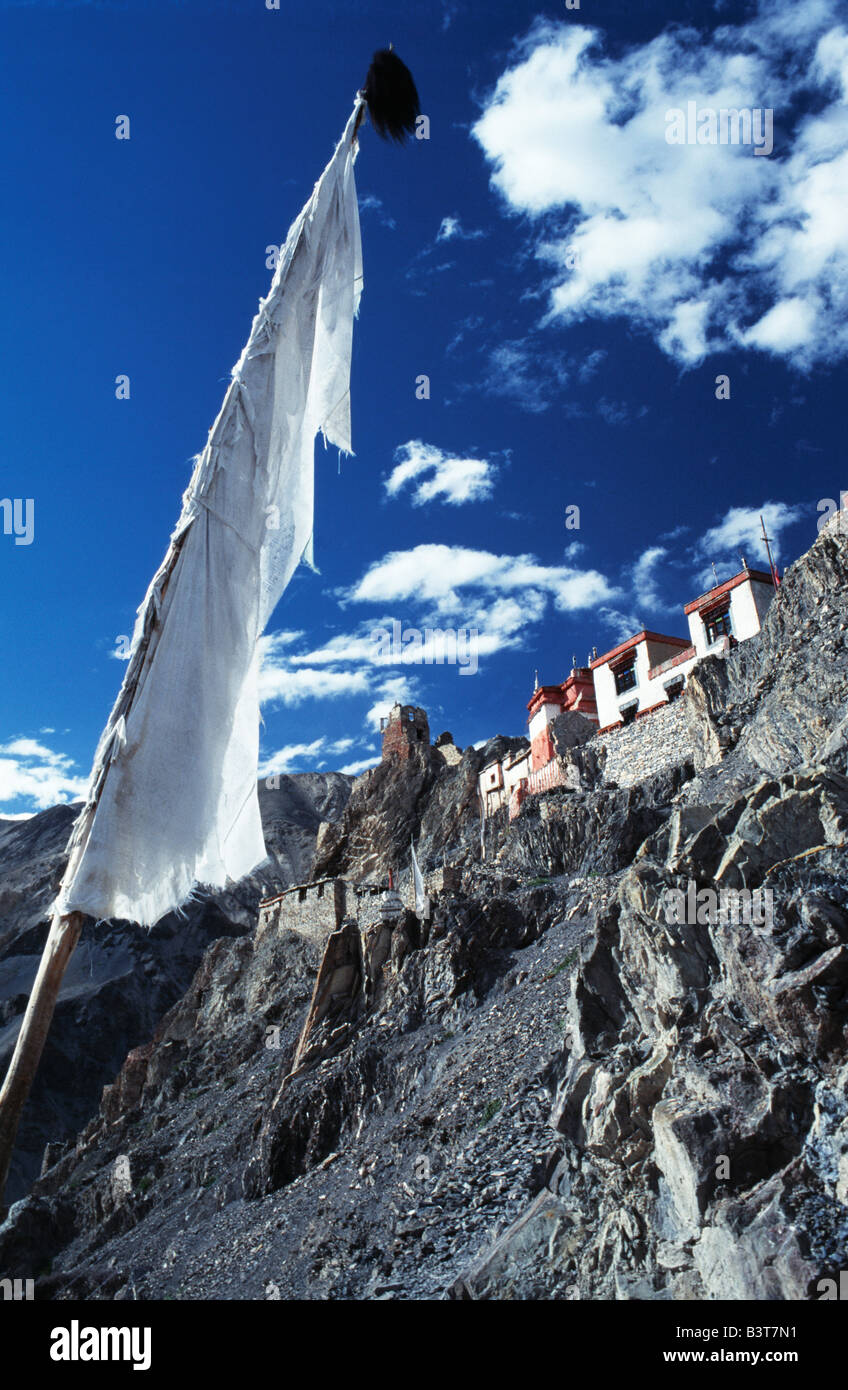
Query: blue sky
[(571, 283)]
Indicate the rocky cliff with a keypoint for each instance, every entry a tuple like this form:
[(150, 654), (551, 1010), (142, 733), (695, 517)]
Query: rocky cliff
[(562, 1088), (122, 980)]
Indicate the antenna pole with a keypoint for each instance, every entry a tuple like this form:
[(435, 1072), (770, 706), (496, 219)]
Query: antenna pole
[(774, 574)]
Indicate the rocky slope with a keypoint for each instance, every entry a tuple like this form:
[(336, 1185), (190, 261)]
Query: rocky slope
[(122, 980), (560, 1091)]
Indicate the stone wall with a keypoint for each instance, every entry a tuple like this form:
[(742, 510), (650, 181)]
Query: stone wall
[(656, 740), (407, 728), (637, 750), (447, 878), (317, 909)]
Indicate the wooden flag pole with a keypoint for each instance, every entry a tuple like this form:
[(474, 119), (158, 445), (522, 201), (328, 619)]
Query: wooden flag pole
[(59, 947), (65, 927), (392, 101)]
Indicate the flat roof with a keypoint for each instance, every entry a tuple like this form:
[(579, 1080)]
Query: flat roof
[(544, 693), (644, 636), (555, 694), (759, 577)]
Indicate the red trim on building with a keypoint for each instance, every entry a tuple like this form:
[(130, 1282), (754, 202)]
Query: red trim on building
[(577, 693), (759, 576), (544, 695), (669, 665), (643, 636), (712, 612)]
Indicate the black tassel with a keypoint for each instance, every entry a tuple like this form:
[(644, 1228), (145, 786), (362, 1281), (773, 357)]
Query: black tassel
[(391, 96)]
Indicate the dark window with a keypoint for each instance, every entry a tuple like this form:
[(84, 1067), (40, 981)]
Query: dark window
[(628, 714), (717, 624), (674, 688), (625, 677)]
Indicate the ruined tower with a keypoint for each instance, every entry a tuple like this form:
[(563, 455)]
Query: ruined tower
[(405, 728)]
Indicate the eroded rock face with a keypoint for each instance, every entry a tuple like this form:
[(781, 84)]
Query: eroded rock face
[(557, 1087), (570, 730), (122, 979), (706, 1062), (776, 701)]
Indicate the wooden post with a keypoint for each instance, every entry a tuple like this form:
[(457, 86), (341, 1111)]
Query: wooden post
[(58, 949)]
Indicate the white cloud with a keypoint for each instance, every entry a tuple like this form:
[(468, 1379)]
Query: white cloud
[(368, 202), (398, 690), (530, 373), (274, 643), (32, 771), (354, 769), (28, 748), (787, 326), (347, 665), (590, 365), (287, 758), (474, 603), (622, 625), (280, 685), (451, 229), (450, 577), (520, 371), (292, 756), (451, 480), (463, 330), (645, 579), (286, 678), (703, 246), (346, 647), (740, 532)]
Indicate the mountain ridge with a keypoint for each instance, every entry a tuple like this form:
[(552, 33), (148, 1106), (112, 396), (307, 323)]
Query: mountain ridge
[(552, 1089)]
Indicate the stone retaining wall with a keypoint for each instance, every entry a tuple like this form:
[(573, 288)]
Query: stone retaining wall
[(638, 750), (317, 909)]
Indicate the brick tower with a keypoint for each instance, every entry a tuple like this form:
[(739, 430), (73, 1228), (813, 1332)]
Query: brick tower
[(406, 728)]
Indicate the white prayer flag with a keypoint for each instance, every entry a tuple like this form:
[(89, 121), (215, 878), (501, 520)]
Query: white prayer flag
[(172, 800), (422, 902)]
